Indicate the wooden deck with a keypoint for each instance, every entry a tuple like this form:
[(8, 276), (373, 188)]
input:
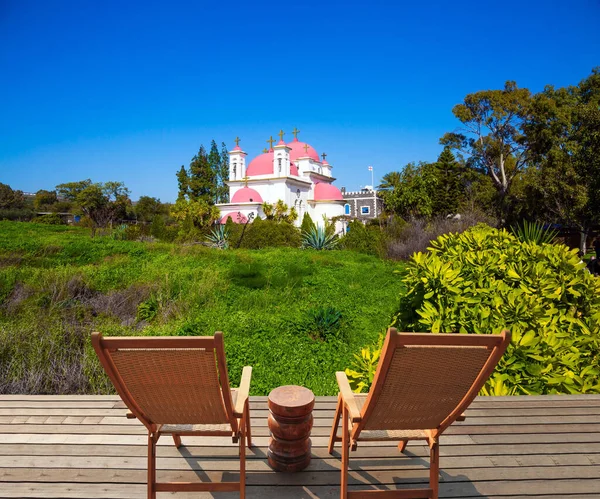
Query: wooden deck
[(84, 447)]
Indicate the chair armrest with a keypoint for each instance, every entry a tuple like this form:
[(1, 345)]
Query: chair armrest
[(348, 396), (243, 391)]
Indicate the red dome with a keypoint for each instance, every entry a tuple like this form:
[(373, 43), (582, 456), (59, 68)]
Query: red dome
[(261, 165), (327, 192), (236, 216), (297, 151), (246, 195)]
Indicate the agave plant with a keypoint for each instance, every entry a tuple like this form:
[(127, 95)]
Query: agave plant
[(317, 238), (219, 237), (534, 232)]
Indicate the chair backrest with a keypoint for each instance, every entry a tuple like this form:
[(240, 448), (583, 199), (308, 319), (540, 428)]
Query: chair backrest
[(425, 381), (170, 380)]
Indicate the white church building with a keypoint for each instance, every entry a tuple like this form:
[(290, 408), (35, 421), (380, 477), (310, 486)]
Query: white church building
[(292, 172)]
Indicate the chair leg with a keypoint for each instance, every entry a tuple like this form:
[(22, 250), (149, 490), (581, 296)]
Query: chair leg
[(177, 440), (242, 443), (345, 453), (248, 431), (434, 468), (151, 466), (336, 422), (402, 445)]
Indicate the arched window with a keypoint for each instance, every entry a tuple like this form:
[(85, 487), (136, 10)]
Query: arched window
[(347, 209)]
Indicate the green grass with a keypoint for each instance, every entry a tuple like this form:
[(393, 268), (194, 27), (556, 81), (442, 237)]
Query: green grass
[(296, 316)]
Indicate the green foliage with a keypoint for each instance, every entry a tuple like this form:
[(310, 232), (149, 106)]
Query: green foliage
[(51, 219), (147, 310), (484, 280), (324, 323), (147, 208), (363, 367), (57, 285), (493, 139), (101, 203), (44, 200), (270, 233), (318, 239), (307, 224), (534, 232), (119, 233), (279, 212), (10, 199), (195, 213), (368, 239), (17, 215), (219, 237)]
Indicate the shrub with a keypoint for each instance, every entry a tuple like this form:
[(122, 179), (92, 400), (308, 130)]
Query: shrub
[(485, 280), (219, 237), (324, 323), (416, 235), (534, 232), (363, 367), (318, 238), (50, 219), (270, 233), (364, 239), (16, 214)]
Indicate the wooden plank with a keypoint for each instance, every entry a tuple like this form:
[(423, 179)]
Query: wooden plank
[(189, 461), (573, 489), (590, 450)]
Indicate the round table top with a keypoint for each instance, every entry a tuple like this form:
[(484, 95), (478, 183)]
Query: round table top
[(291, 397)]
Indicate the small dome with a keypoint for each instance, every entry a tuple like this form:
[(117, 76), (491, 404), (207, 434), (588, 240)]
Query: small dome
[(236, 216), (327, 192), (298, 151), (261, 165), (246, 195)]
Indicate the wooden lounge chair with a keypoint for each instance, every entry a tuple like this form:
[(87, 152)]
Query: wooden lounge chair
[(423, 383), (179, 386)]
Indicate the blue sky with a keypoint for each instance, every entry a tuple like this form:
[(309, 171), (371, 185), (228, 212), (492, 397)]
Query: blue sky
[(129, 90)]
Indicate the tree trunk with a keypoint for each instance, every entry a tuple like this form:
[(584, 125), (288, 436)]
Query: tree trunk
[(583, 234)]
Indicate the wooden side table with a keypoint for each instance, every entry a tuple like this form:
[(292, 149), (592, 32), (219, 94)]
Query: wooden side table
[(290, 422)]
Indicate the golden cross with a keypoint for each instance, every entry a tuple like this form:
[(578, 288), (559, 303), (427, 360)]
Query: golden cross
[(306, 148), (265, 150), (270, 141), (281, 134), (245, 179), (323, 156), (237, 141), (295, 131)]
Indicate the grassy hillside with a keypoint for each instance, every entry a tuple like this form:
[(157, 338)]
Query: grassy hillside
[(297, 316)]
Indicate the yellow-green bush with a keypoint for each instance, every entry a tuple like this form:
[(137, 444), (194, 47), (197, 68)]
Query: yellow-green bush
[(484, 280)]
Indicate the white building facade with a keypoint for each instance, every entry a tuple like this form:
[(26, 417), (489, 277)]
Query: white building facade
[(293, 173)]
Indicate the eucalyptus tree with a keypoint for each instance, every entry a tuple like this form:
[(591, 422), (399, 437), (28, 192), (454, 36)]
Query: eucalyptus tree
[(491, 138)]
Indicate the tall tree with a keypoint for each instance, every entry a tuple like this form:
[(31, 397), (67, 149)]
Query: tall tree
[(102, 203), (10, 198), (147, 207), (449, 191), (492, 138), (223, 175), (411, 191), (563, 136), (183, 182), (44, 199), (202, 178)]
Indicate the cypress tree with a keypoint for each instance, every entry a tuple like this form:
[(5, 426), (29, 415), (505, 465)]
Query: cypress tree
[(224, 174), (214, 161), (307, 224), (183, 182), (202, 178)]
